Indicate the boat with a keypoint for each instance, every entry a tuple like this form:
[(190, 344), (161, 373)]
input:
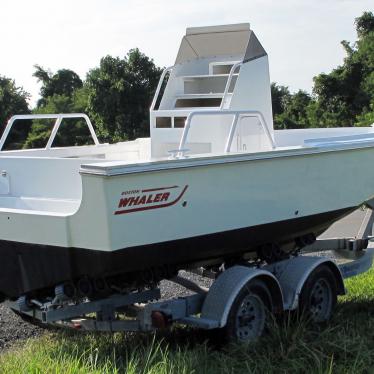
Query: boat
[(213, 184)]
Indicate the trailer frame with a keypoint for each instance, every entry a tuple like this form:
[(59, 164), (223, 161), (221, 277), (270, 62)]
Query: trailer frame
[(206, 309)]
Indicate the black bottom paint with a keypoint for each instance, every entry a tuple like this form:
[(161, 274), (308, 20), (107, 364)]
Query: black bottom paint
[(26, 267)]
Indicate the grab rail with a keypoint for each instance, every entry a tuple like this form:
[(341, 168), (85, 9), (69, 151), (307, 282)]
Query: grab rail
[(159, 85), (237, 114), (56, 126), (228, 83)]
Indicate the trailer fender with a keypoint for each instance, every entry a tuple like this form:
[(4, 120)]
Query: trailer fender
[(227, 286), (293, 273)]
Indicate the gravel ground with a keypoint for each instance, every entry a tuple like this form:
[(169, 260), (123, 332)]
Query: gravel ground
[(13, 328), (170, 289)]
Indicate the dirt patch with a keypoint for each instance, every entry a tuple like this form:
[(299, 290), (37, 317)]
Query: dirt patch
[(13, 328)]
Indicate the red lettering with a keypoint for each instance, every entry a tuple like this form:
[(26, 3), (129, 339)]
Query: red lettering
[(157, 198), (124, 202), (165, 196), (142, 200), (134, 201), (149, 200)]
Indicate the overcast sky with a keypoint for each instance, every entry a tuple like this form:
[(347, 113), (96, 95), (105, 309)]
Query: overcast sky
[(302, 37)]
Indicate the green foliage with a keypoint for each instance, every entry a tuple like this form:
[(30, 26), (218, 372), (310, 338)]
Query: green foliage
[(62, 92), (120, 93), (72, 132), (367, 117), (343, 97), (346, 93), (13, 100), (365, 24), (280, 96), (289, 111), (296, 111), (63, 83), (116, 95)]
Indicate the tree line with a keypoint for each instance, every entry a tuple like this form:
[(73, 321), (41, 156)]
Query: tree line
[(344, 97), (117, 94)]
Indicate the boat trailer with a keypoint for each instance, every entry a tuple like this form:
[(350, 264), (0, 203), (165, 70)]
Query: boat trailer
[(235, 298)]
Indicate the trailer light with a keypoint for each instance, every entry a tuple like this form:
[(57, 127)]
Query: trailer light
[(77, 325), (159, 320)]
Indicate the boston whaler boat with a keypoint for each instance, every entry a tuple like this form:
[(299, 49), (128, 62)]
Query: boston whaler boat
[(214, 184)]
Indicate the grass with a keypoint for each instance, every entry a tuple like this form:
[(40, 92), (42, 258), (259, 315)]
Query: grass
[(345, 345)]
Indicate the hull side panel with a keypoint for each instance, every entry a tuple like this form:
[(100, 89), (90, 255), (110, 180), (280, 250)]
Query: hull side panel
[(29, 267), (219, 198)]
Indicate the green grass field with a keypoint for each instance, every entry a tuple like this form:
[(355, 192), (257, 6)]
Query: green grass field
[(345, 345)]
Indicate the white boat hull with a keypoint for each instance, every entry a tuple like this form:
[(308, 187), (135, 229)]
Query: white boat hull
[(174, 214)]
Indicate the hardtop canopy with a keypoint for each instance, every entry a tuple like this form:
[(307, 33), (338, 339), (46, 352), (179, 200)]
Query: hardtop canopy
[(237, 39)]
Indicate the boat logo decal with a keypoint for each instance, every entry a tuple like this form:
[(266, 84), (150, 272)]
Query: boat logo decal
[(151, 198)]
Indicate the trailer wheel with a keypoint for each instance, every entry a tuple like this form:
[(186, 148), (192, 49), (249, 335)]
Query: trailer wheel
[(319, 295), (247, 317)]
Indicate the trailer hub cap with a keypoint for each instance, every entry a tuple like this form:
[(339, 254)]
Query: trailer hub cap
[(321, 301), (250, 318)]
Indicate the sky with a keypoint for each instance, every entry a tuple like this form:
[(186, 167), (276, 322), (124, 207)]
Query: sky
[(301, 37)]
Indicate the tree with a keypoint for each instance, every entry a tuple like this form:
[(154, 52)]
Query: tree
[(365, 24), (295, 114), (120, 93), (64, 82), (289, 110), (72, 132), (343, 95), (280, 95), (61, 92), (367, 117), (13, 100)]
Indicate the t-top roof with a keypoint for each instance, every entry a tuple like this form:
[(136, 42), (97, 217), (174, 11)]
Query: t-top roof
[(236, 39), (217, 29)]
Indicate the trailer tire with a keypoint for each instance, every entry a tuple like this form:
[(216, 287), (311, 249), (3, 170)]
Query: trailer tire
[(247, 317), (318, 296)]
